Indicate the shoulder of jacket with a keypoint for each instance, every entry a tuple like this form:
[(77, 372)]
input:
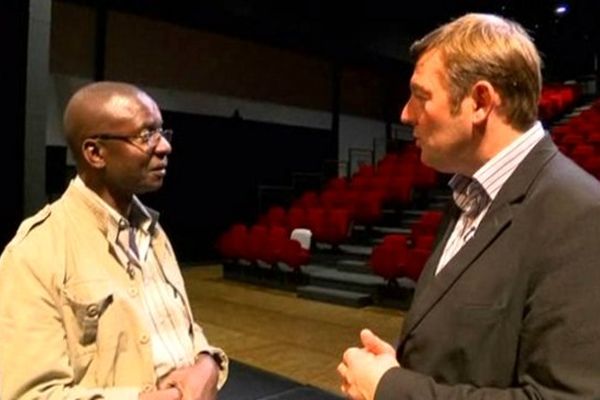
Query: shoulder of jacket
[(30, 224)]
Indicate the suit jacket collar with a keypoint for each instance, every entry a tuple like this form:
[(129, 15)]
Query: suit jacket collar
[(431, 289)]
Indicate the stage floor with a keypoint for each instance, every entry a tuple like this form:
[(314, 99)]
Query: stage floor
[(275, 331)]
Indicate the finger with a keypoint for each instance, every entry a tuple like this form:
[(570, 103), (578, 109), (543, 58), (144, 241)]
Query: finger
[(352, 393), (342, 369), (173, 393), (349, 354), (344, 388), (374, 343), (166, 383)]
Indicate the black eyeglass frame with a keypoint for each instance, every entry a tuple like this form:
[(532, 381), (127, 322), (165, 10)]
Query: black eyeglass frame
[(147, 136)]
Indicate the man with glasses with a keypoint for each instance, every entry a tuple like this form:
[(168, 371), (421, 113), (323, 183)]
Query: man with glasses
[(92, 301)]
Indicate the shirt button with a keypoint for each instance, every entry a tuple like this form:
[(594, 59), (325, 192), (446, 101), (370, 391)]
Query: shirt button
[(133, 291), (144, 339), (92, 310)]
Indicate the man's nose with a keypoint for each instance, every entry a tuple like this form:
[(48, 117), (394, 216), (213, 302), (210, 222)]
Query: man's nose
[(404, 116), (163, 146)]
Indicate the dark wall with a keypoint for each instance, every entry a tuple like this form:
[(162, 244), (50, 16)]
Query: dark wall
[(198, 60), (13, 40), (216, 167)]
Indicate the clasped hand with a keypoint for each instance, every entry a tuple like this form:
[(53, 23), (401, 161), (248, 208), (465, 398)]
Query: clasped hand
[(361, 369), (196, 382)]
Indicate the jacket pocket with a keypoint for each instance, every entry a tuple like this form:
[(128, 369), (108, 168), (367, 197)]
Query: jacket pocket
[(83, 310), (87, 316)]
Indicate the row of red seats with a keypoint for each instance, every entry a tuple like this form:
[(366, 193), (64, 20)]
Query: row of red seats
[(267, 244), (556, 99), (405, 164), (364, 195), (405, 255), (394, 259), (579, 138), (330, 214), (363, 207), (327, 224), (582, 128)]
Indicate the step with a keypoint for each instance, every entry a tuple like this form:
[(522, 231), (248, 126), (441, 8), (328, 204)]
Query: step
[(390, 212), (444, 197), (353, 265), (390, 230), (343, 262), (383, 229), (344, 280), (336, 296), (356, 249), (438, 205), (412, 214)]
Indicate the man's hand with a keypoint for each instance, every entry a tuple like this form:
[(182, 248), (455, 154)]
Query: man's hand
[(374, 344), (167, 394), (361, 369), (197, 382)]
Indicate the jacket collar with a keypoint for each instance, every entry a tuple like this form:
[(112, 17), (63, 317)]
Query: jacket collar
[(105, 218)]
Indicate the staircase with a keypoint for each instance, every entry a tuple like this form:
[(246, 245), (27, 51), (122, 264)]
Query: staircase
[(342, 275)]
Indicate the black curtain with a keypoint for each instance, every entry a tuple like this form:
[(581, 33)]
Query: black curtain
[(216, 168)]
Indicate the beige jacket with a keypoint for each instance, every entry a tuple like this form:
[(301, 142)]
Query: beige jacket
[(71, 325)]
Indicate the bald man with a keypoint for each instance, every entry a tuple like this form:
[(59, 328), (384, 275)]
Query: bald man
[(92, 301)]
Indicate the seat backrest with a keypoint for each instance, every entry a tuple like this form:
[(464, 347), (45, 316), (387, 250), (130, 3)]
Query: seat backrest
[(303, 236)]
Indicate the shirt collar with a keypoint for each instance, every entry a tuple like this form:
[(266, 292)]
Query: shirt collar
[(510, 157), (141, 217)]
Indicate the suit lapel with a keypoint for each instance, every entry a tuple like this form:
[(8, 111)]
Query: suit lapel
[(431, 289), (436, 286), (446, 227)]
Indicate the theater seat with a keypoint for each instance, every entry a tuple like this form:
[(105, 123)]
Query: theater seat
[(389, 259), (294, 255), (302, 236), (415, 262), (232, 243)]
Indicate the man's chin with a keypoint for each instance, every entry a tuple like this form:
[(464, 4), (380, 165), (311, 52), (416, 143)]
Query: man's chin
[(150, 186), (433, 162)]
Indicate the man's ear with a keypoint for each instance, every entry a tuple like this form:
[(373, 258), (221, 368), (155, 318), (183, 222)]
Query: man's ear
[(485, 100), (93, 153)]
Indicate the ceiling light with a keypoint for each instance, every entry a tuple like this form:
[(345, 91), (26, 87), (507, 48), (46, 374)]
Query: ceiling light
[(561, 9)]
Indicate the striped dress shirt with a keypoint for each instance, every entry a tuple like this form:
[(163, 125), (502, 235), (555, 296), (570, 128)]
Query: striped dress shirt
[(474, 195), (168, 323)]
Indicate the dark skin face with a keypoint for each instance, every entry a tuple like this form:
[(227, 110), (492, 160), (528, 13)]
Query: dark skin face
[(117, 169)]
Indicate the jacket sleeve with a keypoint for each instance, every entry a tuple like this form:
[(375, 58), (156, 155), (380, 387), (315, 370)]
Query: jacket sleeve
[(559, 344), (34, 356), (201, 346)]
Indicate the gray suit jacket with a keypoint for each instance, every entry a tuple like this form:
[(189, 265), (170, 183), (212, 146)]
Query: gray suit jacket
[(516, 313)]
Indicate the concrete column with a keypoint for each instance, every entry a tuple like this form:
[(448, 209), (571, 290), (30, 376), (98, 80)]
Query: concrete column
[(36, 104)]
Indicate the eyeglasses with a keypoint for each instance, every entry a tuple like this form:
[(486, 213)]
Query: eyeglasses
[(147, 137)]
